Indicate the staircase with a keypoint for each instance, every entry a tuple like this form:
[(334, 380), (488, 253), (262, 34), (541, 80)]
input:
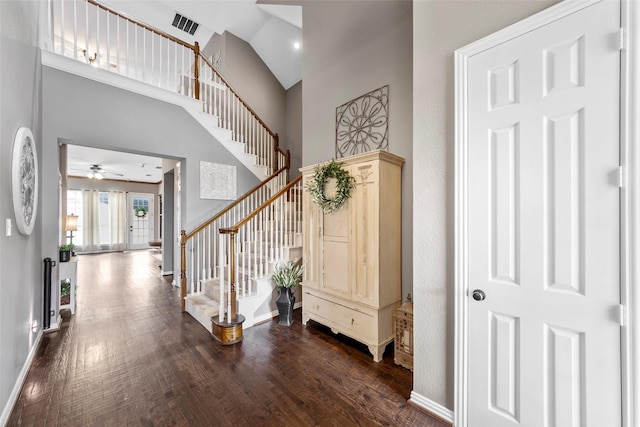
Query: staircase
[(241, 257), (89, 32), (226, 262)]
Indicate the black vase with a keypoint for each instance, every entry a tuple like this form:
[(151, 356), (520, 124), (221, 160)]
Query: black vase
[(285, 303), (65, 256)]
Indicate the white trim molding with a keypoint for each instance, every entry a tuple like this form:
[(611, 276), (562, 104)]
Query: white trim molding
[(432, 407), (71, 66), (630, 200), (13, 397)]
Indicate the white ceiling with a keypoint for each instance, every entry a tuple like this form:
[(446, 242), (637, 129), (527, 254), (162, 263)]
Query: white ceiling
[(271, 30), (115, 164)]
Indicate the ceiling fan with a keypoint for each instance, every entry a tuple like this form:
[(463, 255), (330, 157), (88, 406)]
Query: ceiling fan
[(97, 172)]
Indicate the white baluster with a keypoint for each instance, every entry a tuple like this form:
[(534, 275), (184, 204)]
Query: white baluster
[(193, 269), (245, 273), (252, 249), (117, 44), (51, 19), (108, 44), (168, 78), (221, 264), (62, 26)]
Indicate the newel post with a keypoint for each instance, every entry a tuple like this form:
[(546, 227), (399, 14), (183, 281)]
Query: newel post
[(196, 71), (183, 269), (276, 146), (288, 165), (232, 282)]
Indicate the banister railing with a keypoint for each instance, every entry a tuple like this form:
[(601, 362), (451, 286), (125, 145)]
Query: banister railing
[(221, 100), (95, 34), (257, 241), (88, 31), (199, 248)]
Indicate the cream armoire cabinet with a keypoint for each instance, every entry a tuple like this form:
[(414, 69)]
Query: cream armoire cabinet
[(352, 281)]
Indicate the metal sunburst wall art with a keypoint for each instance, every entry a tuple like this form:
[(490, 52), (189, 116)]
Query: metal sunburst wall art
[(363, 124)]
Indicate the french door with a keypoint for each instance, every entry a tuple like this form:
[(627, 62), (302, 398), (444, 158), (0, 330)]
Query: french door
[(140, 219)]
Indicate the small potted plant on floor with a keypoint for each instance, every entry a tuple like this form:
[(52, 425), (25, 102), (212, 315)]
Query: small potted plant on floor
[(65, 252), (286, 275), (65, 292)]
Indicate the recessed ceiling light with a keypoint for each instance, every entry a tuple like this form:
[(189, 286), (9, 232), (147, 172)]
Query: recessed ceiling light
[(296, 45)]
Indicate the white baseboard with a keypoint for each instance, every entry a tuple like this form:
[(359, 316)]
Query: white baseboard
[(13, 397), (55, 326), (430, 406)]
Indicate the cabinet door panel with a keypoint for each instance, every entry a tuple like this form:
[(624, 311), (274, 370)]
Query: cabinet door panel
[(336, 267), (364, 205), (335, 252)]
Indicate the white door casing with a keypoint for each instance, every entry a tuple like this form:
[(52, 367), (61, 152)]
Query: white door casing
[(140, 227), (538, 223)]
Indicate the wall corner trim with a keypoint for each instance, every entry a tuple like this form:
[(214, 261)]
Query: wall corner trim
[(17, 387), (432, 407)]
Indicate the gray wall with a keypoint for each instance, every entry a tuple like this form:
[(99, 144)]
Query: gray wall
[(86, 112), (168, 234), (351, 48), (20, 256), (440, 27), (251, 78), (293, 129)]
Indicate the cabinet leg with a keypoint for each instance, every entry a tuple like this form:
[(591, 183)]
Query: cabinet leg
[(305, 319), (377, 351)]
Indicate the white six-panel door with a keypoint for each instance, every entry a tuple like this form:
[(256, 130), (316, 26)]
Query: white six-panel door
[(543, 226)]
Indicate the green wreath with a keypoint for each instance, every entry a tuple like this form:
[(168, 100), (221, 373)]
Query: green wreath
[(140, 212), (344, 184)]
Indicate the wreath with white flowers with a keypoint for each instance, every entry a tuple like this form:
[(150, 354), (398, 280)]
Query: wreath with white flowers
[(140, 212), (344, 184)]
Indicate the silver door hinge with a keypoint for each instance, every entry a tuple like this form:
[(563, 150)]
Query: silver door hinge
[(621, 315), (621, 177), (621, 39)]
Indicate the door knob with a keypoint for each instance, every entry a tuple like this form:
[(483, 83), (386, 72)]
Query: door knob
[(478, 295)]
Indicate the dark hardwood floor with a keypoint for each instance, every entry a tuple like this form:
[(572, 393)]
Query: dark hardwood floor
[(129, 357)]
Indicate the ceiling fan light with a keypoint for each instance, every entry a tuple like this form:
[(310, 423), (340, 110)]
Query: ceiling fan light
[(90, 175), (98, 175)]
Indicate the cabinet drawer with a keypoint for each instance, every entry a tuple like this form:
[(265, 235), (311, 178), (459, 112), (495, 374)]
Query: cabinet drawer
[(353, 323)]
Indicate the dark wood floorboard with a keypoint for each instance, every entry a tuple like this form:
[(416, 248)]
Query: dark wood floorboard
[(129, 357)]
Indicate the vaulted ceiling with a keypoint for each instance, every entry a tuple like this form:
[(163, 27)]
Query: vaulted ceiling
[(272, 31)]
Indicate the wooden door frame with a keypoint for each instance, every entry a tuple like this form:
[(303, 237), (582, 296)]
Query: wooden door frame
[(630, 200)]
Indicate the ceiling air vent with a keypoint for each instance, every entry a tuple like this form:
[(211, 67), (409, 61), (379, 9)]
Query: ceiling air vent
[(185, 24)]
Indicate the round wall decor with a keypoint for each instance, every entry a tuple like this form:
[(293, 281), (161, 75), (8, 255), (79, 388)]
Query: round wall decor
[(24, 180)]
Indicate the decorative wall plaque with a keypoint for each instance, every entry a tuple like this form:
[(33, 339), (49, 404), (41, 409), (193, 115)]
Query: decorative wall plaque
[(217, 181), (24, 180), (363, 124)]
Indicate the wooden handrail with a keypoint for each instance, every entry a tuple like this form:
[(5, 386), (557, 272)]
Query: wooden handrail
[(234, 229), (142, 24), (195, 48), (233, 91), (243, 102), (232, 205), (196, 71)]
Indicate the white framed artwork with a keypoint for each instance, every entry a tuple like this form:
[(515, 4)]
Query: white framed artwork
[(24, 180), (217, 181)]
